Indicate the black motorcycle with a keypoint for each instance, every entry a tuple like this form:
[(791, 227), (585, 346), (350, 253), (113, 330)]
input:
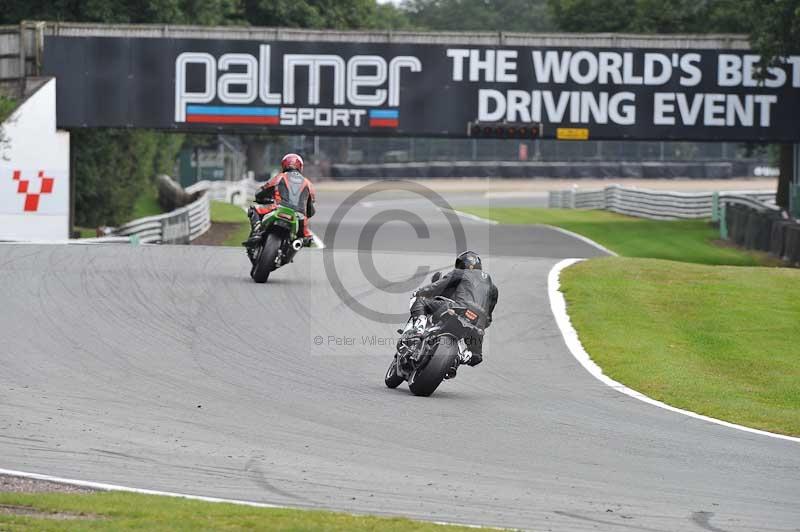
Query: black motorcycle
[(425, 359)]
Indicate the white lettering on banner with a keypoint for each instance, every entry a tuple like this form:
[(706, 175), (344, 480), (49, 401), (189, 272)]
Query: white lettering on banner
[(691, 72), (735, 71), (182, 95), (322, 117), (494, 66), (579, 107), (718, 109), (251, 79), (246, 79), (358, 80)]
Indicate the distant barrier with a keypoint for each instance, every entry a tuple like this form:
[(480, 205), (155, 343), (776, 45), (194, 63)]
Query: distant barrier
[(762, 230), (655, 204), (180, 226), (534, 169), (235, 192)]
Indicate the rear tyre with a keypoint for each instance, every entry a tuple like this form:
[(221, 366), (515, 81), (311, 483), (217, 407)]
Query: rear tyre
[(424, 381), (392, 379), (265, 260)]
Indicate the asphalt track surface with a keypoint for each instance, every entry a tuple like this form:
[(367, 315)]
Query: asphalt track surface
[(167, 368)]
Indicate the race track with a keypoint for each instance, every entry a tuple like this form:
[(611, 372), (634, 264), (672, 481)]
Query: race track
[(167, 368)]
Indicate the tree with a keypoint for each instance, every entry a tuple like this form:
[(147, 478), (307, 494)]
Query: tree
[(480, 15), (773, 26), (775, 34), (594, 16)]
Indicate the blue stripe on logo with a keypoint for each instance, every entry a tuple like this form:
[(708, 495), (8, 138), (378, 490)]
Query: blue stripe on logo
[(384, 113), (231, 110)]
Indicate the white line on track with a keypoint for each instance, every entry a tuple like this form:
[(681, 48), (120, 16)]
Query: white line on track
[(581, 238), (472, 217), (558, 305)]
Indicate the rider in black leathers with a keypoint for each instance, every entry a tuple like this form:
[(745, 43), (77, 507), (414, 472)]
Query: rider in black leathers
[(468, 286)]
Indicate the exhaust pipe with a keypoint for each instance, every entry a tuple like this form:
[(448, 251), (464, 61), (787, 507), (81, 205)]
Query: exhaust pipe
[(297, 244)]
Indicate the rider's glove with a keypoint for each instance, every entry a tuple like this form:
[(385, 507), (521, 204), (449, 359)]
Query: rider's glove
[(474, 360), (415, 293)]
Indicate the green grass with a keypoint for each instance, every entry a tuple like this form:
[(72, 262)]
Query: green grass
[(7, 106), (226, 213), (682, 240), (147, 204), (86, 232), (127, 511), (718, 340)]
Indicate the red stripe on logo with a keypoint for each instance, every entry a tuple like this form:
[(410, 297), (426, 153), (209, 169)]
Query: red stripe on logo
[(229, 119), (383, 122)]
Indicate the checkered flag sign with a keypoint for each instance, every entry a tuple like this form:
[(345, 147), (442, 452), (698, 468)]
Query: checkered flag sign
[(32, 190)]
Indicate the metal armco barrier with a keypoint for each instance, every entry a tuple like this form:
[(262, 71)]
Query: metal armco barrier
[(235, 192), (656, 204), (180, 226), (537, 169)]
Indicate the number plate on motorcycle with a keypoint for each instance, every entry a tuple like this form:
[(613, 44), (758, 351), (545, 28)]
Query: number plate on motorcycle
[(471, 316)]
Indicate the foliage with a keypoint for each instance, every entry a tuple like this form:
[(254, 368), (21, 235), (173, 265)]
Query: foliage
[(113, 169), (479, 15), (317, 14), (776, 31), (721, 341), (7, 106), (202, 12), (650, 16)]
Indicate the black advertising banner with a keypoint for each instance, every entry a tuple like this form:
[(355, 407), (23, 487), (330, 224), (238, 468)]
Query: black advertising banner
[(421, 89)]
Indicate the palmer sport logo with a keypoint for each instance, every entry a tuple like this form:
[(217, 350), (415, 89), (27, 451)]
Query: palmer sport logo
[(33, 190), (236, 88)]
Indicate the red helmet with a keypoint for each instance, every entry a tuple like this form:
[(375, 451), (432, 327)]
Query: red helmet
[(292, 161)]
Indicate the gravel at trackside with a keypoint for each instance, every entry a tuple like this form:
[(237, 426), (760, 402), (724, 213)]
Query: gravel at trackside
[(27, 485)]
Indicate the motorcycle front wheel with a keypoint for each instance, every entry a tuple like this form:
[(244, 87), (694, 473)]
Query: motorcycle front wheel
[(392, 379)]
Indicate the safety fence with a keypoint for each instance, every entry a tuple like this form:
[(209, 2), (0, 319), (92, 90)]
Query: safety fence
[(762, 229), (545, 169), (235, 192), (658, 205), (180, 226)]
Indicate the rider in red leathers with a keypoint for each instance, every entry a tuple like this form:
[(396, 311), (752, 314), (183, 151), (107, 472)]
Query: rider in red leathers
[(290, 188)]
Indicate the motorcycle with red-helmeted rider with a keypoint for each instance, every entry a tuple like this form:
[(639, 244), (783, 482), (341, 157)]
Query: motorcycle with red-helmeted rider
[(279, 219)]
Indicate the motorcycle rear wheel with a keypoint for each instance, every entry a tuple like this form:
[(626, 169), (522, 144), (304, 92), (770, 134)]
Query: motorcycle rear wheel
[(424, 381), (265, 260)]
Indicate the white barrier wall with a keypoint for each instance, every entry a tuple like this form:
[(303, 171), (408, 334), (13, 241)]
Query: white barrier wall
[(34, 171)]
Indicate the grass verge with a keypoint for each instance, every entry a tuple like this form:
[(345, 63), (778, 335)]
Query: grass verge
[(721, 341), (232, 217), (682, 240), (7, 106), (128, 511)]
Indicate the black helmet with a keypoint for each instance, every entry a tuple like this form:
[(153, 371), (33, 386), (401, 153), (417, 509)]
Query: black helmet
[(468, 260)]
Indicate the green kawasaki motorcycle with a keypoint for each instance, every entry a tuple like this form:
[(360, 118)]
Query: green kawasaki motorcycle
[(279, 241)]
